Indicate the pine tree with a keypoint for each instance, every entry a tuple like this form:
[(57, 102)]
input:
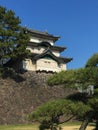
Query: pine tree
[(83, 104), (92, 61), (13, 39)]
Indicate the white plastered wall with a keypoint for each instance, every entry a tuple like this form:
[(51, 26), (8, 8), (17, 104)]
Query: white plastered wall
[(28, 65), (37, 50), (39, 40), (56, 53), (43, 64), (49, 65)]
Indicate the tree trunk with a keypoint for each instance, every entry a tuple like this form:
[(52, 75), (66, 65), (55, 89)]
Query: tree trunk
[(96, 125), (86, 121), (84, 124)]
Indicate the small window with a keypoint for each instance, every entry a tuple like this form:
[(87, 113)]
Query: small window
[(47, 62)]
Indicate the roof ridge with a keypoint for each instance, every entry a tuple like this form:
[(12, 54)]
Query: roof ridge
[(37, 31)]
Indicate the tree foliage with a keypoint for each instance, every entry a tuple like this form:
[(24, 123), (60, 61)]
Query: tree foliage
[(50, 113), (82, 79), (83, 105), (13, 39), (75, 78), (92, 61), (63, 77)]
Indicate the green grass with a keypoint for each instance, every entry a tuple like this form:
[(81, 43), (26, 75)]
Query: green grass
[(34, 126), (19, 127), (72, 123)]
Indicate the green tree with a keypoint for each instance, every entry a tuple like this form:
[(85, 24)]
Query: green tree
[(83, 105), (92, 61), (76, 105), (13, 37), (83, 79), (51, 113)]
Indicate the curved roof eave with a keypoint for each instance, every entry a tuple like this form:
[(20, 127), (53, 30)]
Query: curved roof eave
[(48, 52), (58, 48), (44, 35)]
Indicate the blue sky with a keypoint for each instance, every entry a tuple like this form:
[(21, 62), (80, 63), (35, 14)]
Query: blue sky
[(76, 21)]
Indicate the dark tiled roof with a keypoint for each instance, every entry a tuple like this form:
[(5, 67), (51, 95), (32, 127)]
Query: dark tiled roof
[(58, 48), (66, 60), (49, 53), (44, 35)]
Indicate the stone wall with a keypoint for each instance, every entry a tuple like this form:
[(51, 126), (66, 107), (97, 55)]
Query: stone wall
[(21, 95)]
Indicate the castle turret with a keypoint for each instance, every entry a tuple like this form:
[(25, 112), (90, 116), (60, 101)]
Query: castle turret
[(45, 55)]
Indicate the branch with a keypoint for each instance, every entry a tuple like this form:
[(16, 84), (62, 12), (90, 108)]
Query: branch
[(66, 120)]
